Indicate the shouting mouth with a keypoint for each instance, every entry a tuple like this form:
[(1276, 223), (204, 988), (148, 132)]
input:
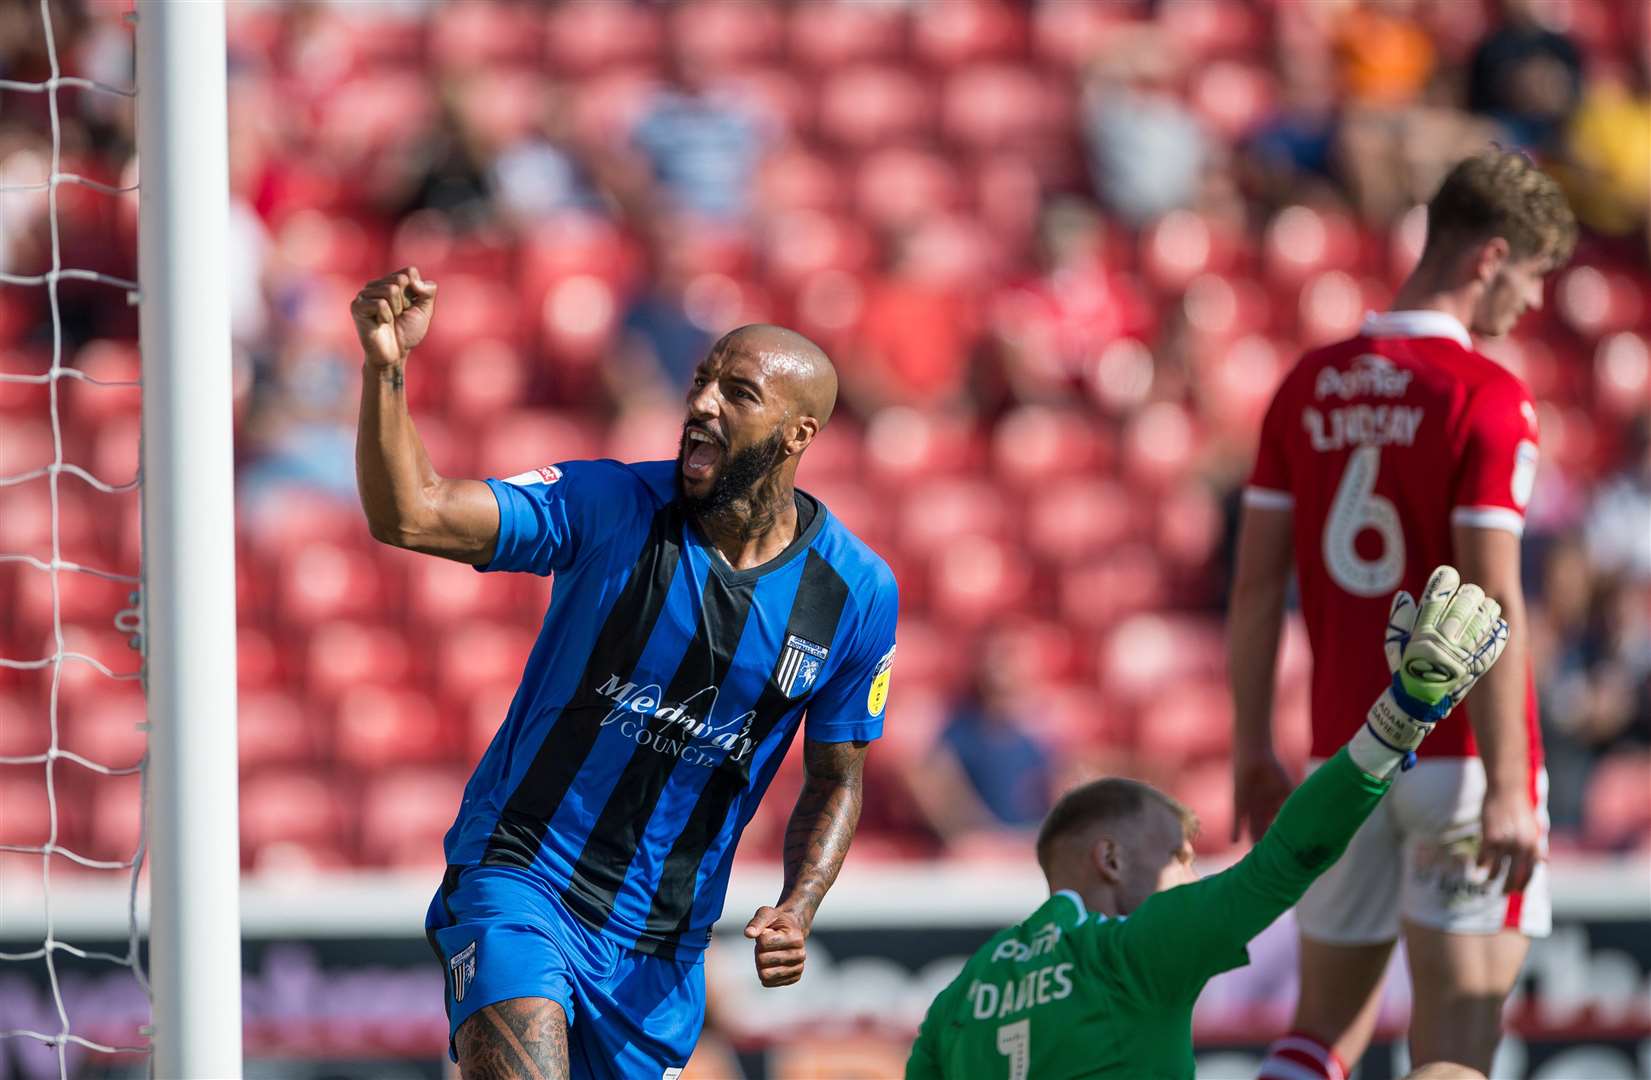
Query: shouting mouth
[(702, 453)]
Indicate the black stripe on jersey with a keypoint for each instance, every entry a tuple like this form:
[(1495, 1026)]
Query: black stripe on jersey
[(612, 841), (618, 649), (815, 613)]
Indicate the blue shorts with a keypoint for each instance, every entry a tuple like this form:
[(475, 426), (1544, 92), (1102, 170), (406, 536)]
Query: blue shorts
[(501, 932)]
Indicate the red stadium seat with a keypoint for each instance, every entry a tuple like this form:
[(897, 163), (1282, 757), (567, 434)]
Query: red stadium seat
[(471, 308), (292, 519), (963, 31), (1003, 106), (1332, 305), (486, 378), (1181, 245), (1201, 27), (1159, 445), (1073, 34), (775, 95), (1047, 651), (326, 581), (405, 814), (1236, 384), (476, 656), (938, 512), (25, 723), (378, 725), (1618, 810), (712, 33), (1189, 526), (115, 450), (1094, 595), (586, 36), (578, 319), (528, 438), (484, 716), (900, 186), (343, 655), (291, 807), (107, 728), (1147, 652), (465, 38), (974, 579), (868, 105), (609, 106), (80, 597), (1072, 718), (834, 34), (796, 178), (111, 362), (1038, 443), (1303, 240), (25, 812), (802, 243), (1191, 722), (1622, 373), (1079, 518), (1234, 98), (1207, 790), (27, 446), (277, 727), (904, 443), (116, 820), (100, 644), (1595, 302), (441, 592)]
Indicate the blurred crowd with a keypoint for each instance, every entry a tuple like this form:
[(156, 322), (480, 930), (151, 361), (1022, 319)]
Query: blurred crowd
[(1061, 253)]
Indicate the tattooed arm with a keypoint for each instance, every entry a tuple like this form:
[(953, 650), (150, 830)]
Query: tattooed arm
[(816, 840)]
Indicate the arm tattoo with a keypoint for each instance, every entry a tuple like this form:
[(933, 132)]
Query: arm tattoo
[(395, 377), (518, 1039), (822, 825)]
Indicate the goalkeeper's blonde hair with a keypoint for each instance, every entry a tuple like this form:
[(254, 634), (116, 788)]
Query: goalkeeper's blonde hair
[(1111, 798)]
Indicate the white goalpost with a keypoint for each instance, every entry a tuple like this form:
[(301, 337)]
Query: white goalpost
[(189, 538)]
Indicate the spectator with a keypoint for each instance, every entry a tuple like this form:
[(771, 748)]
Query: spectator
[(1046, 326), (700, 145), (988, 773), (1383, 56), (1607, 153), (1525, 76), (1618, 527), (920, 325), (1146, 151)]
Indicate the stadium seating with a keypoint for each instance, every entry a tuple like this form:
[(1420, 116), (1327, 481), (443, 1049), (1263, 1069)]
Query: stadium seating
[(1084, 530)]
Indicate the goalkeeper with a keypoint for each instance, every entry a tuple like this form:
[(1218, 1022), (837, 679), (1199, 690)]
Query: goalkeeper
[(1101, 980)]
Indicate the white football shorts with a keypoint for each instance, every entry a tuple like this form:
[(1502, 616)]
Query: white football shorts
[(1414, 859)]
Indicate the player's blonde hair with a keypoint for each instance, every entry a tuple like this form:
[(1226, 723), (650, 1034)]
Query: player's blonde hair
[(1111, 798), (1501, 193)]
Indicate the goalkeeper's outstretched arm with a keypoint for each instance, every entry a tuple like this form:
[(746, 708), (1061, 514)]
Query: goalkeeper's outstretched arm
[(1177, 939), (408, 504)]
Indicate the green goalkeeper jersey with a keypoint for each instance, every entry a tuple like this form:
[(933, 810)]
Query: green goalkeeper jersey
[(1072, 993)]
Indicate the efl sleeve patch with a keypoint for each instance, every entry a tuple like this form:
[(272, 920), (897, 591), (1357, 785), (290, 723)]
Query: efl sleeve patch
[(878, 696), (545, 474)]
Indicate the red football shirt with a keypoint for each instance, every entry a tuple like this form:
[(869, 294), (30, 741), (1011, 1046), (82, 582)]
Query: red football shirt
[(1379, 444)]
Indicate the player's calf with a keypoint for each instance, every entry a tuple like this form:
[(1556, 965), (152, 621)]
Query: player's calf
[(518, 1039)]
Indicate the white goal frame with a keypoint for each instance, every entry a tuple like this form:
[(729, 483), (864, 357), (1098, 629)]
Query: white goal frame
[(189, 538)]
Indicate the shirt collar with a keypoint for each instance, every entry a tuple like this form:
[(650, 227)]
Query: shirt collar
[(1416, 324)]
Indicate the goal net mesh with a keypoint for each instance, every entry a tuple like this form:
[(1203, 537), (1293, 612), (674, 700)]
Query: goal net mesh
[(52, 571)]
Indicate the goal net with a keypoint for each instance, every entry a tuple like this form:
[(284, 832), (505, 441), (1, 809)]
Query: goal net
[(117, 762)]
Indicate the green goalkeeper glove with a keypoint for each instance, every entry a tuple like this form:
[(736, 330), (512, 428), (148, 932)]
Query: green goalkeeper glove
[(1436, 653)]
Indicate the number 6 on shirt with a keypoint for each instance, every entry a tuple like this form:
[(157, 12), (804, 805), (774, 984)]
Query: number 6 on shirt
[(1356, 508)]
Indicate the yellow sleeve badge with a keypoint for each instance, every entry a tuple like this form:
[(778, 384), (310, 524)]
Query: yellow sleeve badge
[(879, 694)]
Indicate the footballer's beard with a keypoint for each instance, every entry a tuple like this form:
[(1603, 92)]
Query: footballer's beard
[(745, 499)]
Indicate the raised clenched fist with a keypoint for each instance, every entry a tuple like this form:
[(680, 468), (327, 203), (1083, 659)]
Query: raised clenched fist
[(392, 314)]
